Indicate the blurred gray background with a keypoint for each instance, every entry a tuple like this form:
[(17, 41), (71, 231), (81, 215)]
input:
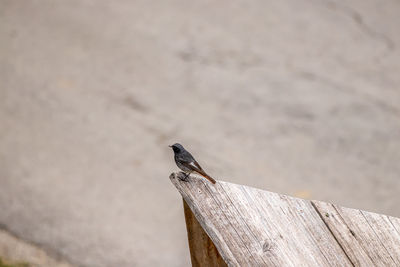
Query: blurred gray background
[(297, 97)]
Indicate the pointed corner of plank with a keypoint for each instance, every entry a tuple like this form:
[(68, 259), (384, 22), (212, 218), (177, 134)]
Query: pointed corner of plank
[(177, 179)]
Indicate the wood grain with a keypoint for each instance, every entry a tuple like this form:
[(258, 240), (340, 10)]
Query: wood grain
[(252, 227), (369, 239)]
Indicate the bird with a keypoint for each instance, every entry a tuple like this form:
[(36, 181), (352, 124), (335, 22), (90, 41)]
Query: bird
[(186, 162)]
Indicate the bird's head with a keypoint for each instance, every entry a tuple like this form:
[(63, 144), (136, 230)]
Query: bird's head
[(177, 147)]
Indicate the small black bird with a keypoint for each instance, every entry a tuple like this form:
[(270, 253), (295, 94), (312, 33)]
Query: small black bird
[(185, 161)]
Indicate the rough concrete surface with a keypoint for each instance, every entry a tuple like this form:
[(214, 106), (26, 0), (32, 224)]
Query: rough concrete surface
[(303, 93), (15, 251)]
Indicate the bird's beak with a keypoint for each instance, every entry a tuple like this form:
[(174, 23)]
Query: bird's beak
[(170, 146)]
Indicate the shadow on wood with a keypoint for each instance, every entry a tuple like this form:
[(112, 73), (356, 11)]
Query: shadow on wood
[(202, 250)]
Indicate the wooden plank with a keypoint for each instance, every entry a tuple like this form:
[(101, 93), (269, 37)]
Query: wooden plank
[(251, 227), (202, 250), (395, 222), (387, 234), (369, 239), (307, 238)]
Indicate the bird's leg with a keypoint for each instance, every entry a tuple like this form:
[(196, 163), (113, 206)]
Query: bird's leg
[(186, 176), (183, 176)]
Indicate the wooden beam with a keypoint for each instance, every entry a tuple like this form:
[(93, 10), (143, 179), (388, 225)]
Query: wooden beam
[(202, 250), (252, 227)]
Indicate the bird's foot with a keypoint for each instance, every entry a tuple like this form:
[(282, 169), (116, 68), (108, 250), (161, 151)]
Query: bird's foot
[(184, 176)]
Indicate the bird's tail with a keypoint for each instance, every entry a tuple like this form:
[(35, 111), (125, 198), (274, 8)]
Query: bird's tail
[(208, 177)]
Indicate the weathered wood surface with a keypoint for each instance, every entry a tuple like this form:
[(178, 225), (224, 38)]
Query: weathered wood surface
[(202, 250), (369, 239), (252, 227)]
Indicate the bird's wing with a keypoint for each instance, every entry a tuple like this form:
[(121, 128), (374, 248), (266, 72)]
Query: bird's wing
[(184, 158), (189, 161), (193, 165), (196, 165)]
